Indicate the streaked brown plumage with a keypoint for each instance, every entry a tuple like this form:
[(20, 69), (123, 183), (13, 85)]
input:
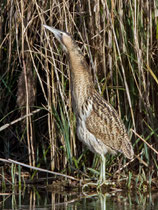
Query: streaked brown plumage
[(98, 124)]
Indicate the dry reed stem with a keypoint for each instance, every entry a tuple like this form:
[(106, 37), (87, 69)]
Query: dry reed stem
[(122, 67), (127, 164), (18, 120), (145, 142), (38, 169)]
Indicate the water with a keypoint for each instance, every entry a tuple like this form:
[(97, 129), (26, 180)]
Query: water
[(33, 198)]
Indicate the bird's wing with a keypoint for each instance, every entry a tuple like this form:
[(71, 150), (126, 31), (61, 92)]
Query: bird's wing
[(105, 124)]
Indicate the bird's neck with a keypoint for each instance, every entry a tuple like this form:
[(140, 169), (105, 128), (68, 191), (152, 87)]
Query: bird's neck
[(81, 79), (79, 67)]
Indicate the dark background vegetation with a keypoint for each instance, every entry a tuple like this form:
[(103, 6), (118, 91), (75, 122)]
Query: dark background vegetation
[(120, 42)]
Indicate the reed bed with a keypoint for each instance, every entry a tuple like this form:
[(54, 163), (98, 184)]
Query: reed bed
[(120, 42)]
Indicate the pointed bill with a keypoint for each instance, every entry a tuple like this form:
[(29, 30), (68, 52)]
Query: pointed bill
[(58, 34)]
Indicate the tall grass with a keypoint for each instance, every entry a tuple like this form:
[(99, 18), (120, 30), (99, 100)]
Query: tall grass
[(119, 41)]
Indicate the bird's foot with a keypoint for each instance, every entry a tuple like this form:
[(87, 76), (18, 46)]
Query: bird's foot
[(98, 185), (105, 183), (88, 185)]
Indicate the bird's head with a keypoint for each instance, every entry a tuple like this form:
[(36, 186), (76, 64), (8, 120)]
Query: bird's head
[(63, 37)]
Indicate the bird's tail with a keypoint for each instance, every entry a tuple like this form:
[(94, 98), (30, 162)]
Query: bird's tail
[(127, 149)]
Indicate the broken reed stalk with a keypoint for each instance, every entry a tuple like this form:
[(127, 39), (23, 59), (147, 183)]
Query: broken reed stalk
[(27, 91)]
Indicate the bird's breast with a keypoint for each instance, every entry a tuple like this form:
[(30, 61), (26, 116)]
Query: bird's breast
[(86, 137)]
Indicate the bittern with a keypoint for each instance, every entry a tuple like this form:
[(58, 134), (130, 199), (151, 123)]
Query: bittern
[(98, 124)]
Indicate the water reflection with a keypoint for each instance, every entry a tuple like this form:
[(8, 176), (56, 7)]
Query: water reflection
[(34, 198)]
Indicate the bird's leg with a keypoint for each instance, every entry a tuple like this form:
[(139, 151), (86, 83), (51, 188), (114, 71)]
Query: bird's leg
[(102, 180), (103, 168)]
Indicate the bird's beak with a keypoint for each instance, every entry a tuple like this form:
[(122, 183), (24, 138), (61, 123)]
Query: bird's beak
[(57, 33)]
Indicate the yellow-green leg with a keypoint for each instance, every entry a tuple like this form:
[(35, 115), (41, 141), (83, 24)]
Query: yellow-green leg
[(102, 170), (102, 178)]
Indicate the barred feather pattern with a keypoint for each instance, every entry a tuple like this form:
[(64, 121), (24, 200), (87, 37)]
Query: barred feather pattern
[(101, 129)]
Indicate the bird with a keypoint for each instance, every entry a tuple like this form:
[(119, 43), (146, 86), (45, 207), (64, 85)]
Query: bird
[(98, 124)]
